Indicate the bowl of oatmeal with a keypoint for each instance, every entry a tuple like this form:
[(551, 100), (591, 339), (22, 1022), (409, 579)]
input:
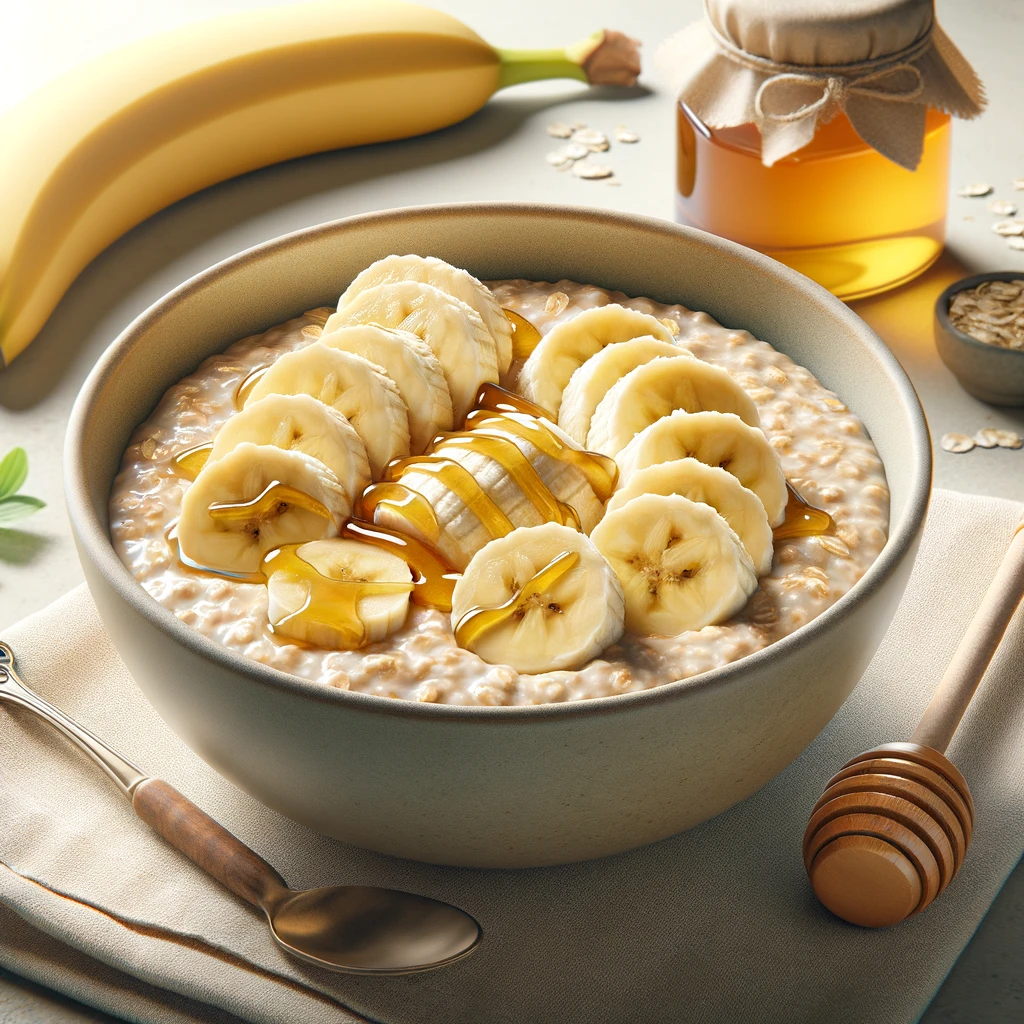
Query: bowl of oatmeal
[(497, 534)]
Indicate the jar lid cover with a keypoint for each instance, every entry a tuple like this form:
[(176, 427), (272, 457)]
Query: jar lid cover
[(789, 65)]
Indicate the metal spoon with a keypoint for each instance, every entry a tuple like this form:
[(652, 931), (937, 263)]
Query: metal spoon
[(357, 929)]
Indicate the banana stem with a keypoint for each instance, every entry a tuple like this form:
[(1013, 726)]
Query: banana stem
[(519, 66)]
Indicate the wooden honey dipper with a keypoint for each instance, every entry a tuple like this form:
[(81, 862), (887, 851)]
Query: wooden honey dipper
[(893, 826)]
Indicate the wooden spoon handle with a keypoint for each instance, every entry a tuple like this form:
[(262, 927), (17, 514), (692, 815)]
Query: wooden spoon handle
[(972, 657), (208, 844)]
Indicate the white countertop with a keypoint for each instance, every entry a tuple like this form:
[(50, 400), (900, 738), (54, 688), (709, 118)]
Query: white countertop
[(498, 154)]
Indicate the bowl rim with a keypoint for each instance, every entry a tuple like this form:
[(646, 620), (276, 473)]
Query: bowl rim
[(95, 544), (942, 311)]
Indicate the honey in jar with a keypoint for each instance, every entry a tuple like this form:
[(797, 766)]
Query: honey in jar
[(820, 133)]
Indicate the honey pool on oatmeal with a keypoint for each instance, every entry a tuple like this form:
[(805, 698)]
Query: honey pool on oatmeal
[(822, 447)]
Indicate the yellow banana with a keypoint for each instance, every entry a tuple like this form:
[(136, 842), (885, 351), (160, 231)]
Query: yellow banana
[(97, 151)]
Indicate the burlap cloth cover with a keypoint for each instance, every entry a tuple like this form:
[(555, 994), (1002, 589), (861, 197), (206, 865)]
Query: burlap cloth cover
[(789, 65), (716, 924)]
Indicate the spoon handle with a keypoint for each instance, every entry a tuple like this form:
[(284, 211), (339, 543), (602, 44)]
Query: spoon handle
[(157, 803), (979, 644), (206, 843), (12, 690)]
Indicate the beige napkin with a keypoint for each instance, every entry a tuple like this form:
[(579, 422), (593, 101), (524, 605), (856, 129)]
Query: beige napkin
[(716, 924)]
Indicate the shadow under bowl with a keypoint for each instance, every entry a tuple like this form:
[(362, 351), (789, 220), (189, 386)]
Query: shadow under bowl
[(993, 374), (497, 786)]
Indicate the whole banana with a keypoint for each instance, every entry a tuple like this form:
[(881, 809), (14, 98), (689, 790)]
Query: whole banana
[(97, 151)]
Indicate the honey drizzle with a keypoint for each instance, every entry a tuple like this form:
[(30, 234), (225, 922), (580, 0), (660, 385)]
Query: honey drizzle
[(329, 601), (433, 578), (505, 452), (524, 335), (498, 399), (244, 390), (802, 519), (273, 499), (461, 483), (478, 621), (191, 461), (601, 472), (404, 502)]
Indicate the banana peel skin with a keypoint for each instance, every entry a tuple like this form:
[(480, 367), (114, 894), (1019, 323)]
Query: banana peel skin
[(104, 147)]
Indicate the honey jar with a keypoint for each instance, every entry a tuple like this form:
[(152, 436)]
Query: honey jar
[(820, 133)]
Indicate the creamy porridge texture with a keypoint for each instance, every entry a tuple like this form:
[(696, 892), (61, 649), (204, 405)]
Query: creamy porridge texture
[(822, 447)]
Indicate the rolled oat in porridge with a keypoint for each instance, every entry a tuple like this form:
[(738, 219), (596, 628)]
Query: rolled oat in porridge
[(523, 495)]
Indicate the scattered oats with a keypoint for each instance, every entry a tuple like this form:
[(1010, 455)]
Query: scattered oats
[(1016, 243), (613, 180), (975, 191), (575, 151), (578, 126), (1002, 207), (671, 324), (148, 447), (559, 159), (557, 130), (1018, 183), (312, 331), (1002, 438), (623, 134), (557, 302), (1008, 228), (591, 172), (595, 141), (957, 443), (985, 438)]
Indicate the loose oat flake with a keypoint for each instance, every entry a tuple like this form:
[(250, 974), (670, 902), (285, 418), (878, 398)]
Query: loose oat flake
[(1002, 207), (595, 141), (991, 312), (975, 191), (1008, 227), (991, 437), (560, 131), (1018, 183), (559, 158), (623, 134), (957, 443), (556, 303), (585, 169), (1016, 243)]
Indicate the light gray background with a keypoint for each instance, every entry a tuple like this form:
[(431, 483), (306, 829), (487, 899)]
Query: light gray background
[(498, 154)]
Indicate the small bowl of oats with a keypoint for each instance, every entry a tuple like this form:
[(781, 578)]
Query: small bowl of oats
[(979, 332)]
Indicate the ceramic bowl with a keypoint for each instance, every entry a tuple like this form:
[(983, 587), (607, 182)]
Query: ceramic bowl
[(993, 374), (505, 786)]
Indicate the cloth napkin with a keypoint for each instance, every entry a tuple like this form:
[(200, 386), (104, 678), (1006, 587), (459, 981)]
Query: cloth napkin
[(716, 924)]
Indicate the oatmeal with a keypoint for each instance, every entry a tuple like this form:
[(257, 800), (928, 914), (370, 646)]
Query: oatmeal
[(821, 447)]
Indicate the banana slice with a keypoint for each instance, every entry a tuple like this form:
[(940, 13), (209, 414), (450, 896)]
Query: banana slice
[(254, 499), (337, 594), (300, 423), (657, 388), (539, 600), (452, 281), (595, 378), (414, 368), (740, 508), (716, 439), (453, 330), (363, 393), (566, 347), (680, 565)]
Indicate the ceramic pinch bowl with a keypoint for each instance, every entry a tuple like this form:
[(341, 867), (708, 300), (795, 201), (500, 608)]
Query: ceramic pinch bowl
[(993, 374), (498, 786)]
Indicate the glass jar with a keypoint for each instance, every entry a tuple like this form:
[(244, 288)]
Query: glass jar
[(836, 210)]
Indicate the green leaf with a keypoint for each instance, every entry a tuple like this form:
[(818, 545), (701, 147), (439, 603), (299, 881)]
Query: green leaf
[(17, 506), (13, 470)]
